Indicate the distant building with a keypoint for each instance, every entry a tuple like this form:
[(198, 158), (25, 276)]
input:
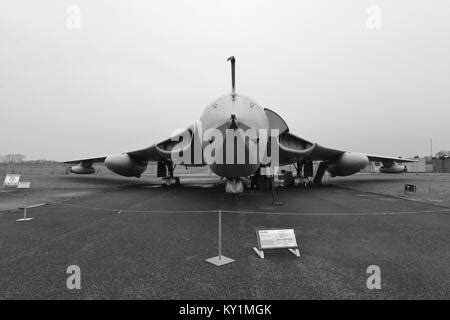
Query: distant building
[(441, 165), (426, 164), (419, 166)]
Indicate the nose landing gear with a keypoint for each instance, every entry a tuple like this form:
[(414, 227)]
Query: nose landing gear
[(234, 185), (170, 181)]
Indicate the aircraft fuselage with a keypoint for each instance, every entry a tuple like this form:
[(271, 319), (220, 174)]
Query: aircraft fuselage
[(234, 115)]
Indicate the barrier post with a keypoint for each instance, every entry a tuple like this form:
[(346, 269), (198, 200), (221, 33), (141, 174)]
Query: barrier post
[(220, 260)]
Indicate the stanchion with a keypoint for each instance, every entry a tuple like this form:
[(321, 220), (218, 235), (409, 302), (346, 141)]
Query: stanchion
[(25, 210), (220, 260), (274, 201)]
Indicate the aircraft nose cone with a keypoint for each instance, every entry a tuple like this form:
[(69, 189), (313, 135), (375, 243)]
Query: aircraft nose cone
[(242, 112)]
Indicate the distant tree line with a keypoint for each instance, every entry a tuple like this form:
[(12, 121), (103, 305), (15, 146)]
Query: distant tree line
[(20, 158), (443, 154), (12, 158)]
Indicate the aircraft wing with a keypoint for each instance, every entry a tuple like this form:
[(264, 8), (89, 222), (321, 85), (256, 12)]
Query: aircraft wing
[(388, 159), (156, 152), (147, 154), (293, 148), (87, 160)]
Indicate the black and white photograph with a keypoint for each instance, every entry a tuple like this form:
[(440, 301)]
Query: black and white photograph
[(224, 154)]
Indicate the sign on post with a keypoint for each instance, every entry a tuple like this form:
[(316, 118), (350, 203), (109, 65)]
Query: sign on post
[(11, 180), (23, 185), (276, 239), (410, 187)]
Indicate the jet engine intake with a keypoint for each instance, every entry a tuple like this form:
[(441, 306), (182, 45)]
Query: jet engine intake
[(347, 164), (126, 165), (82, 169), (394, 168)]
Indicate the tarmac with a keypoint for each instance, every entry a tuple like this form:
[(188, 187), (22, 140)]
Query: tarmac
[(135, 239)]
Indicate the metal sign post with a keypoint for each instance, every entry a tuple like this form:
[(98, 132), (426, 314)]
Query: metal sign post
[(220, 260), (26, 186), (272, 184), (274, 201)]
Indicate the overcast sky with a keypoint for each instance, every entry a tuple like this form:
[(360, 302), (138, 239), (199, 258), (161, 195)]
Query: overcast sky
[(136, 70)]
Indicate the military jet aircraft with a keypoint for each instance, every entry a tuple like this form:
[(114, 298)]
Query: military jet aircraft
[(233, 137)]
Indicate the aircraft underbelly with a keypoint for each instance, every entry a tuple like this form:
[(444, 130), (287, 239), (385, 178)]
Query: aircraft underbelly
[(234, 170), (239, 163)]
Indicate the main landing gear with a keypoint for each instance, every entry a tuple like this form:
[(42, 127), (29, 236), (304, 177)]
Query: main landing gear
[(304, 174), (165, 170)]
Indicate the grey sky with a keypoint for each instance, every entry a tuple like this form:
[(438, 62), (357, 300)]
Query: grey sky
[(136, 70)]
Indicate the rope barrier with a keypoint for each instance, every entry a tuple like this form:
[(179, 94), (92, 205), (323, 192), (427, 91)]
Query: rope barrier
[(121, 210)]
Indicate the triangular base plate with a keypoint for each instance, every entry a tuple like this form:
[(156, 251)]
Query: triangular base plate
[(220, 261)]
